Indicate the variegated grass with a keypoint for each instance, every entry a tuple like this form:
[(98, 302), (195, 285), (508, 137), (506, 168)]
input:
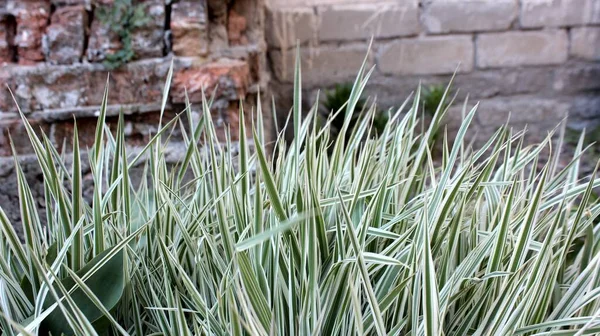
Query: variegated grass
[(370, 237)]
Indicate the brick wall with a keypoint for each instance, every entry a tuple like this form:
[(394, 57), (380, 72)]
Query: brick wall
[(536, 59), (53, 57)]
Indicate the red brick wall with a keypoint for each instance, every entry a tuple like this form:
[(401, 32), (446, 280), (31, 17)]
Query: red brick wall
[(53, 54)]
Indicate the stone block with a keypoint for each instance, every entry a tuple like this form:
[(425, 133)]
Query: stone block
[(559, 13), (64, 39), (427, 55), (577, 77), (321, 66), (585, 107), (453, 16), (32, 19), (230, 77), (504, 82), (585, 43), (287, 26), (522, 110), (522, 48), (363, 20), (189, 28)]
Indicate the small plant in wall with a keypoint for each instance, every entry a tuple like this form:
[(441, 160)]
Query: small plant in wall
[(122, 17), (334, 105), (432, 97)]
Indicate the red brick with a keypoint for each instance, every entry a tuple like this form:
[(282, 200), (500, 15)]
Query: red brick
[(230, 77), (62, 132), (236, 26), (65, 35), (188, 28), (32, 19), (136, 83)]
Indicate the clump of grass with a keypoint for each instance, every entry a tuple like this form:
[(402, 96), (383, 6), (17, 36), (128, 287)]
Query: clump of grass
[(335, 102), (372, 239), (433, 96)]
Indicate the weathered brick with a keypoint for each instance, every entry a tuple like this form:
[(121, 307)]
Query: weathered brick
[(585, 43), (138, 129), (188, 28), (559, 13), (230, 77), (287, 26), (63, 131), (451, 16), (139, 82), (236, 27), (428, 55), (522, 48), (103, 40), (361, 21), (147, 40), (63, 87), (306, 3), (86, 3), (14, 127), (32, 18), (323, 65), (7, 40), (64, 37)]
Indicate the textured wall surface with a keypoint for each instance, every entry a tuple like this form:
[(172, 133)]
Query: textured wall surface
[(55, 57), (536, 59)]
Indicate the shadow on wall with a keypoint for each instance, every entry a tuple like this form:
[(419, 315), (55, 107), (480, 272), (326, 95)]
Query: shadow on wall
[(539, 61)]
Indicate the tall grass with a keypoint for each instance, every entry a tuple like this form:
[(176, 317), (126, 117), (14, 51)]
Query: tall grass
[(370, 238)]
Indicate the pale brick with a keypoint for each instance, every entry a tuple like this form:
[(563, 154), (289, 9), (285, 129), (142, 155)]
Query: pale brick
[(577, 77), (323, 66), (559, 13), (288, 25), (448, 16), (429, 55), (361, 21), (585, 43), (522, 110), (522, 48)]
